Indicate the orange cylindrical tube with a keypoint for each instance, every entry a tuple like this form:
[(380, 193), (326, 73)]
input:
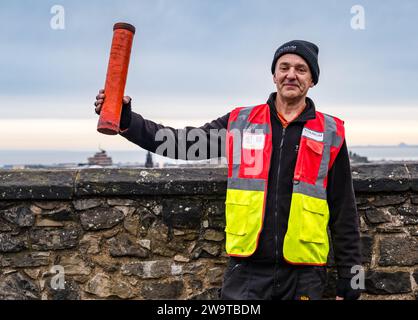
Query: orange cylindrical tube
[(117, 72)]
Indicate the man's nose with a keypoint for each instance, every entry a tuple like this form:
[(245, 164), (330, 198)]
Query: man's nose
[(291, 74)]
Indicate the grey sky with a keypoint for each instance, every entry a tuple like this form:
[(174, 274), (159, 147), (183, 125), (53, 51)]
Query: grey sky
[(199, 58)]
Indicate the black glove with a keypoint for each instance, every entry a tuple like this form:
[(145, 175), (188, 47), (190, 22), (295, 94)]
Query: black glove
[(126, 116), (345, 290)]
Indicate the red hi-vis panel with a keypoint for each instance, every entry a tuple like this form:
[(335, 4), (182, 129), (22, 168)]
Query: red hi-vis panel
[(320, 143), (249, 143), (256, 145), (311, 148)]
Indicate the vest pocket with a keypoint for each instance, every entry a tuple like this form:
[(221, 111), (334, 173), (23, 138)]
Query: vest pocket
[(316, 146), (314, 221), (236, 212), (309, 160)]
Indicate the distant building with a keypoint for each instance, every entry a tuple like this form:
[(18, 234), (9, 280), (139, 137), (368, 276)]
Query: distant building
[(148, 162), (100, 159)]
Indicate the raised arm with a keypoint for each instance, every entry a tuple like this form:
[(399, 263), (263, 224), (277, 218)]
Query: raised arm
[(189, 143)]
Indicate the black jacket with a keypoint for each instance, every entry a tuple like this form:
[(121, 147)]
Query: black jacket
[(344, 221)]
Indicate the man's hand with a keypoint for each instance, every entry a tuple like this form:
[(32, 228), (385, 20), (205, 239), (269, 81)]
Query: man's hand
[(125, 118), (100, 99), (345, 291)]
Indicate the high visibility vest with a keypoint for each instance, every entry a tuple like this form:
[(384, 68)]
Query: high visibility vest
[(248, 150)]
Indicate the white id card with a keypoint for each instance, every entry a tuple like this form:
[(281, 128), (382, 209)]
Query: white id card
[(253, 141)]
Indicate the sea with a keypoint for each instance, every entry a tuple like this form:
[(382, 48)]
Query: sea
[(60, 157), (387, 153)]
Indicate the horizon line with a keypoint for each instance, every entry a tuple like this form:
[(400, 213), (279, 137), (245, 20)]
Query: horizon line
[(401, 144)]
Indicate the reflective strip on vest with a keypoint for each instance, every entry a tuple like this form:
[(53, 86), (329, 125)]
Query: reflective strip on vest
[(249, 150)]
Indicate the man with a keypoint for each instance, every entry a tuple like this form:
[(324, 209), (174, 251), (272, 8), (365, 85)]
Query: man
[(289, 180)]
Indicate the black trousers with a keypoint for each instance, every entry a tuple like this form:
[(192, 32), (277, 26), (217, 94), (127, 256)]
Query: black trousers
[(247, 280)]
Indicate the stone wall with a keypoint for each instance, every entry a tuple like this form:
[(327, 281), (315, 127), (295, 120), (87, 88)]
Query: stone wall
[(158, 234)]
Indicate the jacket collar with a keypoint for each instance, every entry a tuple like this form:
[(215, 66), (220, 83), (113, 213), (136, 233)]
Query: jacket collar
[(307, 114)]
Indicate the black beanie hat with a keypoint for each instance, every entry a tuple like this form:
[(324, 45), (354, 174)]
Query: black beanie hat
[(307, 50)]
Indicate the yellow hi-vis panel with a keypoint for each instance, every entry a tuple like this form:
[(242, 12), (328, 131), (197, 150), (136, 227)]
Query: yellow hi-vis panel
[(306, 240), (244, 215)]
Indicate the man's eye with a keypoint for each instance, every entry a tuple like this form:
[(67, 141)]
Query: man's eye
[(301, 70)]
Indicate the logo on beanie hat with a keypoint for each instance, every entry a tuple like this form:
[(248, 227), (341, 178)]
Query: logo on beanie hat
[(287, 49)]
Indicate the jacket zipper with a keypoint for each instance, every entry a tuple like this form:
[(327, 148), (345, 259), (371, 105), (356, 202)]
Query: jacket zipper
[(276, 220)]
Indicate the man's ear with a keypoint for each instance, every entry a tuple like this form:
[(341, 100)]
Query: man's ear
[(274, 78)]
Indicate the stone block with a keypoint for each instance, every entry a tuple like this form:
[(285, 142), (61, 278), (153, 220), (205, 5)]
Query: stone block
[(98, 219), (120, 202), (54, 239), (182, 213), (148, 269), (60, 214), (162, 290), (388, 200), (208, 294), (48, 205), (366, 248), (387, 282), (213, 235), (390, 229), (132, 182), (85, 204), (17, 286), (25, 259), (71, 291), (215, 275), (21, 216), (48, 223), (103, 286), (413, 171), (398, 251), (90, 244), (408, 215), (376, 216), (389, 177), (74, 265), (36, 184), (125, 246), (13, 243)]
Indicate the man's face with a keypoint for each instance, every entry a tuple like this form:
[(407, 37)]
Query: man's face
[(292, 76)]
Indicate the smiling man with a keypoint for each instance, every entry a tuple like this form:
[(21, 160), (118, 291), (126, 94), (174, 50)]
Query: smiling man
[(289, 181)]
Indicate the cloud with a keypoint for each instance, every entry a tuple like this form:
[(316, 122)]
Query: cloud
[(199, 59)]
